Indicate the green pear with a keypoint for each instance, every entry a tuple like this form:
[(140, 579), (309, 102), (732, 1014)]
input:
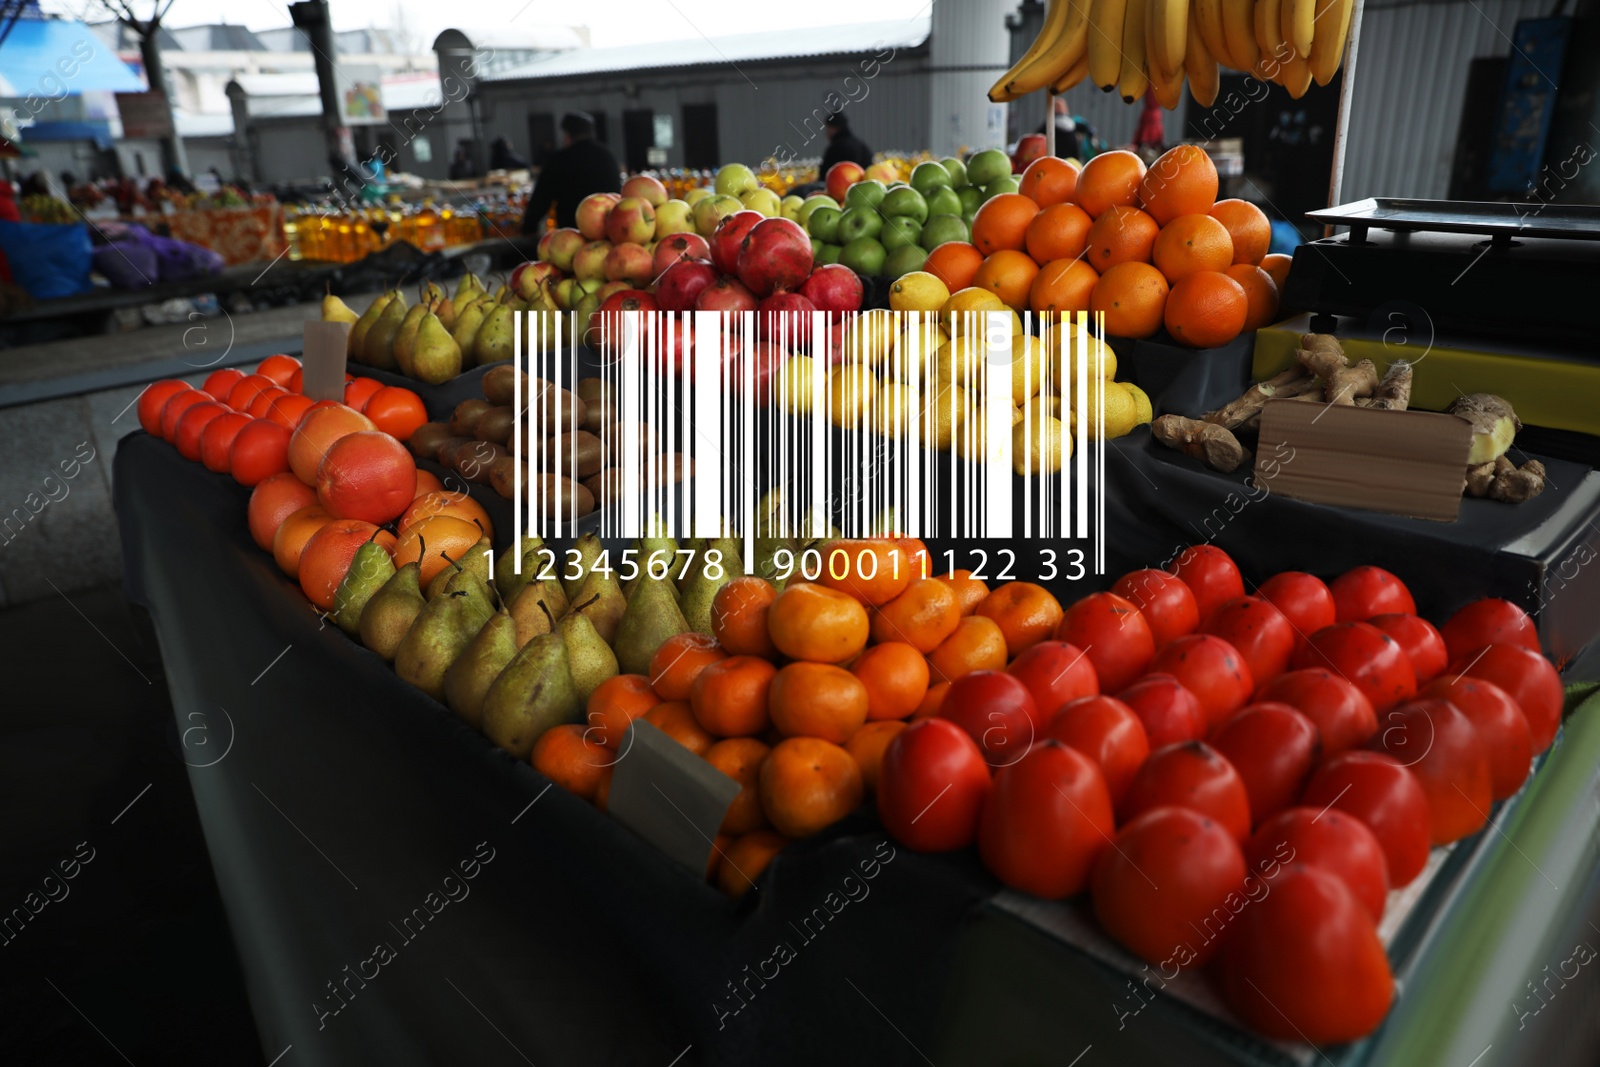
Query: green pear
[(502, 294), (379, 344), (602, 601), (445, 308), (467, 681), (652, 617), (358, 333), (431, 293), (700, 594), (589, 550), (473, 562), (468, 321), (370, 569), (391, 611), (507, 581), (405, 338), (534, 692), (336, 310), (494, 340), (436, 358), (765, 564), (445, 627), (536, 609), (468, 285), (590, 659)]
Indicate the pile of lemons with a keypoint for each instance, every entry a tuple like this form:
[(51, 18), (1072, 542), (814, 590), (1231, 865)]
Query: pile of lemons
[(941, 363)]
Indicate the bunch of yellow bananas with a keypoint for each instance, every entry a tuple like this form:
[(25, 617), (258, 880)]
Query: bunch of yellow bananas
[(1137, 45)]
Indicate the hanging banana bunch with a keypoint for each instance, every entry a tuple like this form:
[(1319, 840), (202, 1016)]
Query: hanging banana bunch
[(1138, 46)]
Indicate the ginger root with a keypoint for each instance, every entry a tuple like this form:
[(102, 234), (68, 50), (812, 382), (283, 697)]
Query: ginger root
[(1211, 444), (1234, 414), (1503, 480), (1394, 391), (1323, 361), (1347, 383), (1494, 425), (1323, 347)]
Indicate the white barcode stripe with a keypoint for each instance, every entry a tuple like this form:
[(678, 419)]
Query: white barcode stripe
[(997, 428), (821, 448), (707, 413), (629, 413)]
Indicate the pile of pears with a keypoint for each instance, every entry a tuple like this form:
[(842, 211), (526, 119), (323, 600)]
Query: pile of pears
[(436, 338), (513, 653)]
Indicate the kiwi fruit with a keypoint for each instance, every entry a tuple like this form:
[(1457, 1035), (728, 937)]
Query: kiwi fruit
[(466, 416), (500, 383), (425, 440), (495, 425)]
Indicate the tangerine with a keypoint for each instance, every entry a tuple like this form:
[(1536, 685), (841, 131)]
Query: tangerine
[(922, 616), (568, 758), (896, 678), (932, 701), (808, 784), (873, 571), (745, 859), (614, 704), (673, 718), (739, 617), (740, 759), (1026, 614), (867, 748), (730, 696), (978, 644), (679, 660), (817, 700), (813, 622), (968, 588)]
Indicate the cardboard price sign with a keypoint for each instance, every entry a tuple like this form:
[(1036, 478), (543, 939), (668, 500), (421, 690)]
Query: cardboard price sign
[(669, 796), (324, 346)]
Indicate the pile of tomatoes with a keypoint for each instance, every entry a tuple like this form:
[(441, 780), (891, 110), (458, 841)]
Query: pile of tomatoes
[(1237, 781)]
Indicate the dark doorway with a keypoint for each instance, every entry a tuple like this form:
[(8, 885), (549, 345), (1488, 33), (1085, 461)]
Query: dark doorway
[(638, 137), (1469, 172), (700, 148), (541, 137), (601, 133)]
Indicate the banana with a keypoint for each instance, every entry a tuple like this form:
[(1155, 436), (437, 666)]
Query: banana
[(1106, 19), (1062, 54), (1165, 85), (1299, 18), (1208, 14), (1201, 67), (1295, 76), (1167, 35), (1074, 76), (1327, 43), (1133, 79), (1049, 32), (1269, 28), (1239, 27)]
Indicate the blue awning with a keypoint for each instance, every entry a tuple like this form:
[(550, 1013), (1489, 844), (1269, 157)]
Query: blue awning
[(96, 130), (53, 57)]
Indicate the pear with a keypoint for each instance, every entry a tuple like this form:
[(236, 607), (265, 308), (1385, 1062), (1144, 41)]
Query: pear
[(431, 293), (405, 338), (379, 342), (494, 340), (589, 658), (467, 681), (392, 610), (700, 593), (589, 549), (468, 285), (652, 617), (436, 358), (358, 332), (502, 294), (370, 569), (765, 564), (507, 581), (536, 609), (336, 310), (446, 310), (468, 320), (474, 562), (532, 694), (444, 628), (601, 600)]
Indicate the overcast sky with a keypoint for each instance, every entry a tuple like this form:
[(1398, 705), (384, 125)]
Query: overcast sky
[(611, 22)]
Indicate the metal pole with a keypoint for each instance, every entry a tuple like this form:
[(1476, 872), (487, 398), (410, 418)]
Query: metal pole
[(173, 156), (311, 16), (1341, 130), (1049, 123)]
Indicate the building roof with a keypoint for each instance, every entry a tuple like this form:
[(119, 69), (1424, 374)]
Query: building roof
[(744, 47), (221, 37)]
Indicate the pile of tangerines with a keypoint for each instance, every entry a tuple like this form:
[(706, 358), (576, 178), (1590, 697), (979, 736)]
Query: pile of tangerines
[(1148, 247)]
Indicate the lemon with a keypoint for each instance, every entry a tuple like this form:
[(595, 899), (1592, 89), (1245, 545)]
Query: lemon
[(914, 356), (1027, 365), (892, 398), (870, 338), (944, 414), (1045, 405), (1141, 402), (1043, 449), (1120, 416), (917, 291), (1016, 416), (794, 384), (851, 388), (1099, 357), (972, 298)]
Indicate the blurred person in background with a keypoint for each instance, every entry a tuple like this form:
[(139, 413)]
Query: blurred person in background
[(582, 166), (503, 157), (843, 145)]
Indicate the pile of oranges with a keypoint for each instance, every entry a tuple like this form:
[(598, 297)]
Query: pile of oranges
[(1148, 247), (798, 691)]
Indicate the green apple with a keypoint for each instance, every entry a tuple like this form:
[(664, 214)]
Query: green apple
[(827, 254), (675, 216), (943, 228), (957, 169), (971, 196), (1008, 184), (811, 204), (824, 223), (788, 207), (864, 255), (816, 248), (942, 201), (763, 200), (735, 178), (859, 222), (904, 261), (711, 210), (899, 231), (869, 192), (905, 202), (982, 168), (697, 194), (930, 176)]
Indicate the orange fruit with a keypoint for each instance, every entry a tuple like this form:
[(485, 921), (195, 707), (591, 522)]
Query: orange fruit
[(1120, 235), (427, 482), (438, 536), (273, 500), (279, 368), (367, 475), (1049, 181), (289, 540), (1009, 275), (260, 450), (673, 718), (396, 411), (287, 409), (954, 263), (808, 784), (743, 861), (969, 591), (873, 571), (216, 440), (1260, 291), (1026, 614), (444, 502), (918, 558), (1191, 243), (1132, 296), (1182, 181), (264, 400), (1002, 223), (1060, 231), (174, 407), (922, 616), (326, 556), (977, 645), (679, 660), (1206, 310), (156, 394), (614, 704), (932, 701), (319, 428), (571, 760), (867, 747), (1062, 285), (246, 390), (896, 677), (740, 759), (1277, 264), (813, 622), (719, 846), (730, 696), (358, 391), (1110, 179), (817, 700), (739, 617), (1248, 227)]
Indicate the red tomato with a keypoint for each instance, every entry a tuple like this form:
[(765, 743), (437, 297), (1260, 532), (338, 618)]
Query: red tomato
[(996, 710), (1046, 819), (1212, 670), (1168, 711), (246, 389), (1273, 747), (186, 432), (1386, 797), (1113, 634), (1258, 631), (1304, 963), (218, 382), (1367, 657), (1332, 841), (155, 395), (175, 406), (1191, 775), (1500, 725), (1304, 600), (260, 450), (1168, 606), (1438, 744), (1362, 592), (1488, 622), (931, 787), (1342, 715), (1056, 673), (1422, 644), (1211, 576), (1108, 732), (1527, 678), (1170, 887), (216, 440), (263, 402)]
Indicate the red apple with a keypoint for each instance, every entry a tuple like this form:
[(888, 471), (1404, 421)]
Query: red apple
[(559, 246), (632, 219), (841, 176), (645, 188), (589, 264), (681, 283), (785, 317), (833, 287), (726, 295), (610, 319), (775, 254), (631, 263), (729, 236), (602, 294), (592, 213), (678, 246), (1029, 149), (528, 278)]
